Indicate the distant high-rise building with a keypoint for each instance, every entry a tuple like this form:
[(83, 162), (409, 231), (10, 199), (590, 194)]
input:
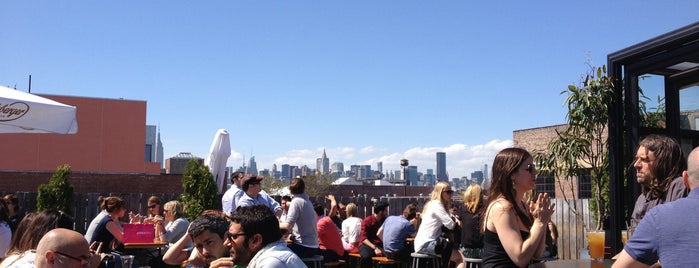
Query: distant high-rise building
[(356, 172), (338, 167), (366, 171), (154, 148), (485, 172), (323, 164), (429, 177), (305, 171), (477, 177), (379, 167), (442, 167), (252, 166), (286, 172), (412, 176), (295, 172)]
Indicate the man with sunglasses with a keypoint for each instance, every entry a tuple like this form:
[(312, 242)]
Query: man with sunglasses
[(254, 195), (255, 241), (63, 248)]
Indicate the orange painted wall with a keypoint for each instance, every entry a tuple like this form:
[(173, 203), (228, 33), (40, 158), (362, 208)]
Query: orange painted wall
[(111, 138)]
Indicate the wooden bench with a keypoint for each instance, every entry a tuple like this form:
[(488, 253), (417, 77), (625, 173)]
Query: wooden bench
[(385, 262), (353, 259), (338, 263)]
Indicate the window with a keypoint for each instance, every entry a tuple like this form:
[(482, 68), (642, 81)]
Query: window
[(149, 153), (584, 184), (546, 183)]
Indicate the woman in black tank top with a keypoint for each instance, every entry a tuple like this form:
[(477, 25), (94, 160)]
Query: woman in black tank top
[(514, 233)]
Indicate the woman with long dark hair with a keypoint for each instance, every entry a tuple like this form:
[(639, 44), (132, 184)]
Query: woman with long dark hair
[(514, 233)]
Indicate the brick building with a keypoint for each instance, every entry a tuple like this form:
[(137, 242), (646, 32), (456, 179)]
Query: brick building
[(537, 140), (106, 155)]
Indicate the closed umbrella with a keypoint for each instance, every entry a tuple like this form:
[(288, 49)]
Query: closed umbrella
[(218, 156), (22, 112)]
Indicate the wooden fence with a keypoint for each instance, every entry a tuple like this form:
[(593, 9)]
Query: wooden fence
[(570, 226)]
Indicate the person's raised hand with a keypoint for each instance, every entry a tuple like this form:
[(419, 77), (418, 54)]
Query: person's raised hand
[(542, 209)]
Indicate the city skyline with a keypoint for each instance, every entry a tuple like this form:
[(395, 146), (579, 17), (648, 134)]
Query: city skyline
[(368, 81), (338, 167)]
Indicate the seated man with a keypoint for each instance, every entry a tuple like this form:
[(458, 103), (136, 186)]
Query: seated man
[(395, 230), (668, 232), (329, 239), (371, 245), (62, 248), (255, 241), (208, 234)]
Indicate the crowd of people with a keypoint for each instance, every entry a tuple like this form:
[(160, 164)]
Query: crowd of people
[(503, 226)]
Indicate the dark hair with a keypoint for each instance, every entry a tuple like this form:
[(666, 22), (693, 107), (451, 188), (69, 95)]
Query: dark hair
[(19, 233), (251, 180), (235, 176), (211, 222), (320, 210), (287, 198), (4, 212), (42, 223), (410, 211), (156, 200), (297, 186), (380, 206), (12, 199), (669, 163), (111, 203), (505, 164), (257, 219)]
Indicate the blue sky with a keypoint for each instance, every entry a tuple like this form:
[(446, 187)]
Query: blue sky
[(368, 81)]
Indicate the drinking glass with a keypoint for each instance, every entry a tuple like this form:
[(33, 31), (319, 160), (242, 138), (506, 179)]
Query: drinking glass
[(624, 237), (126, 261), (595, 240)]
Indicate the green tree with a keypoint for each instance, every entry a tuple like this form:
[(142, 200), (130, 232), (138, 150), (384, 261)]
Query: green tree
[(318, 185), (581, 149), (58, 193), (199, 191)]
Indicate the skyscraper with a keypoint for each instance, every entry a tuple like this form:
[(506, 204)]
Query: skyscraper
[(442, 167), (154, 148), (323, 164), (338, 167), (252, 166)]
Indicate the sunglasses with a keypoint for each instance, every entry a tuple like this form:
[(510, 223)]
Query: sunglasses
[(82, 260), (152, 206), (235, 236), (449, 191), (531, 168)]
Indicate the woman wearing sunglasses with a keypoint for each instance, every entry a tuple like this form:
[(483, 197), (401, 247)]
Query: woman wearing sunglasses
[(514, 233), (155, 211), (429, 238)]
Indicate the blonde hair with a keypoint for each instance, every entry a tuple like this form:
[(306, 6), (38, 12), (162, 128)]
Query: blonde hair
[(351, 210), (473, 197), (437, 195), (174, 207)]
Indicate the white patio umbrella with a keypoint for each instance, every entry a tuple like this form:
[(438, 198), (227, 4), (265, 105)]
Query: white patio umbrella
[(21, 112), (218, 156)]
